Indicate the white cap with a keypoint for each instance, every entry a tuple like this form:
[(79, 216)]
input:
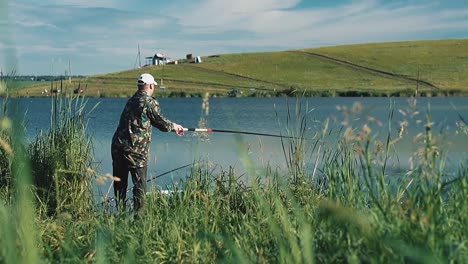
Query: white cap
[(147, 78)]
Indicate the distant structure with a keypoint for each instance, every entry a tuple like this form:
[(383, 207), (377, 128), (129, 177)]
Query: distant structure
[(157, 59), (138, 58), (193, 59)]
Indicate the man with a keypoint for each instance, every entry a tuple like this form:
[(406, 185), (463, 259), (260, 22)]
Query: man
[(132, 139)]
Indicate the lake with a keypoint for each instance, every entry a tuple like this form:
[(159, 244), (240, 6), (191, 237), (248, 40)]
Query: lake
[(262, 115)]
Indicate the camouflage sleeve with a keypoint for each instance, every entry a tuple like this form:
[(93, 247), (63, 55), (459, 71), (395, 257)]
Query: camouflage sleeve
[(156, 118)]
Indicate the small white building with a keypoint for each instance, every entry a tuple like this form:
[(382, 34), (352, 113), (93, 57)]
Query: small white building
[(157, 59)]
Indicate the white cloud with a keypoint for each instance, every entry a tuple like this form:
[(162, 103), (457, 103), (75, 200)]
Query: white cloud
[(44, 48), (36, 24), (214, 15), (87, 3), (270, 17), (112, 30), (75, 3)]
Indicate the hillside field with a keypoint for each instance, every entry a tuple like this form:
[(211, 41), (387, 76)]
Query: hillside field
[(432, 67)]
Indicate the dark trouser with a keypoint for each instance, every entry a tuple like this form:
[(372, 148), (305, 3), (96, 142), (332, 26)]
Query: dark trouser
[(121, 169)]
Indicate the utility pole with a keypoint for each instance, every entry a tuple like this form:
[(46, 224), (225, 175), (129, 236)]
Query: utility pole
[(139, 57), (69, 71), (162, 78)]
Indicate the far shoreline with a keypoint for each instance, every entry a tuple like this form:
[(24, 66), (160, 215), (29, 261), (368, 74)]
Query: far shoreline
[(286, 93)]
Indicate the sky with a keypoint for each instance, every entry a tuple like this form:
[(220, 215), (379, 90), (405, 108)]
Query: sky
[(48, 37)]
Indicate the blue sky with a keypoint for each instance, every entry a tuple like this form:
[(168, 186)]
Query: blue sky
[(102, 36)]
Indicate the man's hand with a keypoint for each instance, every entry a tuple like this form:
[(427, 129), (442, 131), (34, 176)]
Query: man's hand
[(178, 129)]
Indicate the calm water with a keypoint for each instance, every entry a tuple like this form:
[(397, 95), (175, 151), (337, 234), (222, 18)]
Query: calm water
[(264, 115)]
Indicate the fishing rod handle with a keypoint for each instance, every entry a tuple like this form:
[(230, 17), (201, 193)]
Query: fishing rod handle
[(198, 129)]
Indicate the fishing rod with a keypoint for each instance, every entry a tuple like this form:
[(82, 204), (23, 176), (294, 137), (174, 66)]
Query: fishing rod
[(210, 130)]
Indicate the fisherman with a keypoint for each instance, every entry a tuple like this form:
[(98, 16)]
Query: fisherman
[(131, 141)]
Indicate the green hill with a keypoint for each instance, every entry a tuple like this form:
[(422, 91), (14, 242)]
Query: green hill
[(434, 67)]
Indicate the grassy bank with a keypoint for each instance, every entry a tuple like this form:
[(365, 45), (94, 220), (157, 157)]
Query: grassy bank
[(435, 68), (338, 202)]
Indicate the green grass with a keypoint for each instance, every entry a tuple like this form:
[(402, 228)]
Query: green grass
[(21, 84), (338, 202), (61, 160), (440, 62), (15, 85)]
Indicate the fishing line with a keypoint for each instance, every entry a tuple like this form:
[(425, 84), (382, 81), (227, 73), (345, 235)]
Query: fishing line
[(148, 180), (210, 130)]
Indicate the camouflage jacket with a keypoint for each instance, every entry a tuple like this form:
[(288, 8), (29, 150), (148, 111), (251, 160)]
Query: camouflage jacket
[(132, 139)]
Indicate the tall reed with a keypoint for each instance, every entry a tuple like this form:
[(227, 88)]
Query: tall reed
[(62, 158), (18, 230), (5, 150)]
